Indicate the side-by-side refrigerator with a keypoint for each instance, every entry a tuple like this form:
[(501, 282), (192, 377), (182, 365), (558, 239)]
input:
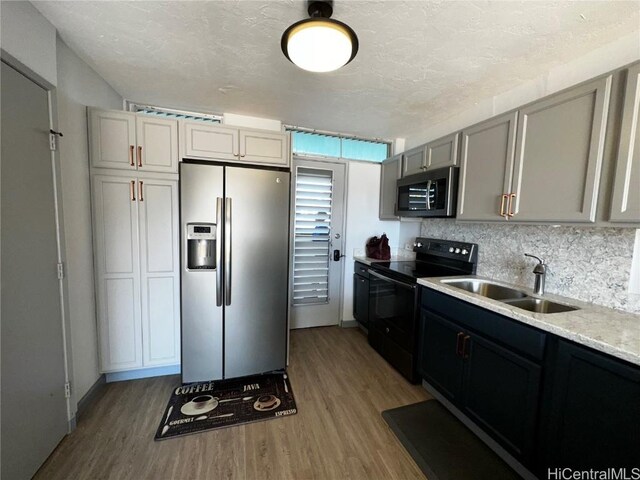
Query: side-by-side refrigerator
[(234, 226)]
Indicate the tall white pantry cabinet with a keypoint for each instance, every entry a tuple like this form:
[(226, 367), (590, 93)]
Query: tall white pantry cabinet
[(134, 185)]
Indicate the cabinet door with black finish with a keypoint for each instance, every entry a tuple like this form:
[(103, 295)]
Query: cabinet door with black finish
[(592, 412), (501, 392), (361, 299), (440, 356)]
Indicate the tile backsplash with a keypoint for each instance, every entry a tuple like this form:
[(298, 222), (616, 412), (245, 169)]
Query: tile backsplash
[(589, 264)]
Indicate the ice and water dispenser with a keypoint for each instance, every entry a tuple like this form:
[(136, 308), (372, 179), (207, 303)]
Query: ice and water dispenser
[(201, 246)]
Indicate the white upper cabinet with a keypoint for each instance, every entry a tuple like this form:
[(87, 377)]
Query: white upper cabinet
[(221, 142), (559, 153), (129, 141), (625, 205)]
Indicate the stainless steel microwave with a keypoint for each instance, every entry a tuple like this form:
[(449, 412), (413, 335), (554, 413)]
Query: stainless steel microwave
[(429, 194)]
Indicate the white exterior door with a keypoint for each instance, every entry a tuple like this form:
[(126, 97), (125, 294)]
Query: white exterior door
[(159, 266), (317, 220), (115, 221)]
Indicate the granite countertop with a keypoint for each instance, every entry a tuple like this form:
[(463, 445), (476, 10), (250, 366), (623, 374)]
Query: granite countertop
[(399, 257), (610, 331)]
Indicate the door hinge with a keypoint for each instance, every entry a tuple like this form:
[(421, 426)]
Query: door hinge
[(67, 390), (60, 271), (52, 142)]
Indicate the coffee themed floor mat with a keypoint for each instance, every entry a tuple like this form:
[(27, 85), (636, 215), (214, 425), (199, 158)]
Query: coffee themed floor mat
[(197, 407)]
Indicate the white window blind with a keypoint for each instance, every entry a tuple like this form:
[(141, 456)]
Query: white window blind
[(312, 236)]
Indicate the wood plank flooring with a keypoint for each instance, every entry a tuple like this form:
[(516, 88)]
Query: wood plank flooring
[(340, 384)]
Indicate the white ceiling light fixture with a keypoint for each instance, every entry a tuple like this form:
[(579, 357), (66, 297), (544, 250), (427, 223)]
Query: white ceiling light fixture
[(319, 44)]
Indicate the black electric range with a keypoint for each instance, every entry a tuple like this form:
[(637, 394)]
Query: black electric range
[(394, 297)]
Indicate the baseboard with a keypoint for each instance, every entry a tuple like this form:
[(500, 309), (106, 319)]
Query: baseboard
[(92, 394), (349, 323), (491, 443), (142, 373)]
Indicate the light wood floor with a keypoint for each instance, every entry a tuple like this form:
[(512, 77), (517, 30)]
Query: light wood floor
[(340, 384)]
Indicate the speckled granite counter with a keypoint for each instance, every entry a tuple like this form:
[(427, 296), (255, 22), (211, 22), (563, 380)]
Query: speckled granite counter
[(369, 261), (610, 331)]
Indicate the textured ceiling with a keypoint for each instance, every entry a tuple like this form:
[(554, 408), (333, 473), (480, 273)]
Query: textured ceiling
[(419, 63)]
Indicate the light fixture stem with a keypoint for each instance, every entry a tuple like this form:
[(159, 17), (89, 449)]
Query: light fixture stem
[(323, 9)]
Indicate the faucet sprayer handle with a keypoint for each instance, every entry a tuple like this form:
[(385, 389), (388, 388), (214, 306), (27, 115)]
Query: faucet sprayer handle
[(537, 258)]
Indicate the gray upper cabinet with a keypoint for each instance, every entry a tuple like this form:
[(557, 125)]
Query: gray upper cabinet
[(390, 172), (415, 161), (625, 205), (443, 152), (486, 164), (559, 154)]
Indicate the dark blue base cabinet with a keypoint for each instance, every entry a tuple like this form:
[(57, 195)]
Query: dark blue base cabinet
[(548, 402)]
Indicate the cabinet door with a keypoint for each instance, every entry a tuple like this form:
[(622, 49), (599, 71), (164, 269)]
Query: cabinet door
[(157, 149), (415, 161), (264, 147), (485, 168), (112, 136), (361, 299), (115, 223), (592, 416), (159, 265), (440, 364), (625, 206), (390, 172), (560, 145), (443, 152), (210, 141), (501, 392)]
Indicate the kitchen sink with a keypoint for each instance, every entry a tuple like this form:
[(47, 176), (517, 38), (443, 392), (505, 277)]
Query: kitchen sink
[(486, 288), (540, 305)]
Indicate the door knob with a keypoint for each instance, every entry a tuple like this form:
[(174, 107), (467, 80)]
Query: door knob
[(337, 235)]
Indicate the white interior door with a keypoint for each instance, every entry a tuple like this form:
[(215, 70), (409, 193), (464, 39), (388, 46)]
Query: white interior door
[(34, 408), (317, 221)]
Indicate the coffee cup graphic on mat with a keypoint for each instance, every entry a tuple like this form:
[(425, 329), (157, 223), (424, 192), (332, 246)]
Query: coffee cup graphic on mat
[(199, 405)]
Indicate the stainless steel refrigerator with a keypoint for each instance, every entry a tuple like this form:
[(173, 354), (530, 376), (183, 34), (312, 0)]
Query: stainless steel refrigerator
[(234, 225)]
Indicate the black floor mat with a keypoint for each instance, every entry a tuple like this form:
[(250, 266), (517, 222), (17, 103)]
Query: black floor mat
[(442, 446), (197, 407)]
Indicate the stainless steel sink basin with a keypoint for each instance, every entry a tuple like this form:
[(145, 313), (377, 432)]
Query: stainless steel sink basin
[(485, 288), (540, 305)]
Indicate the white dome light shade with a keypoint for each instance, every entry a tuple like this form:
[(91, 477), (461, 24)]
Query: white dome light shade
[(319, 44)]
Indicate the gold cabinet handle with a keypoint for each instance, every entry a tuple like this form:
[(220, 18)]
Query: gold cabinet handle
[(139, 156), (132, 190), (140, 184), (131, 147), (512, 197), (503, 199)]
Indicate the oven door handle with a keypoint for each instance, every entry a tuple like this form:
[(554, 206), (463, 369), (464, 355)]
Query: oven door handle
[(382, 277)]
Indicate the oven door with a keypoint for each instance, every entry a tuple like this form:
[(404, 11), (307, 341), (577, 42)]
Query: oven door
[(392, 307)]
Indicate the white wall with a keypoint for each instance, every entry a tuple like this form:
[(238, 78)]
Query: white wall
[(79, 86), (363, 192), (29, 38), (609, 57)]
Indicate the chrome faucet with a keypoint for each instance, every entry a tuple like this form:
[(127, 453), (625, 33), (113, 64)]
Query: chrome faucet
[(540, 271)]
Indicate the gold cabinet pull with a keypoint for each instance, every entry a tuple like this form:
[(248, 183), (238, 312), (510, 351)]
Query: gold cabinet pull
[(512, 197), (503, 199), (140, 183), (139, 156), (131, 147), (132, 190)]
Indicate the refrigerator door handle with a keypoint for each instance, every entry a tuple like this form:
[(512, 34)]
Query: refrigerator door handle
[(227, 252), (218, 252)]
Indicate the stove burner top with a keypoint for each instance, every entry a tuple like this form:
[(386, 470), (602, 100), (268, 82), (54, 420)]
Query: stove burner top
[(414, 269)]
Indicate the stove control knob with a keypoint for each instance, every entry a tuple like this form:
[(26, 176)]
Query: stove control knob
[(464, 251), (451, 249), (419, 245), (457, 250)]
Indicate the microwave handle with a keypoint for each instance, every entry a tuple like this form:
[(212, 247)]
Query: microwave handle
[(427, 200)]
